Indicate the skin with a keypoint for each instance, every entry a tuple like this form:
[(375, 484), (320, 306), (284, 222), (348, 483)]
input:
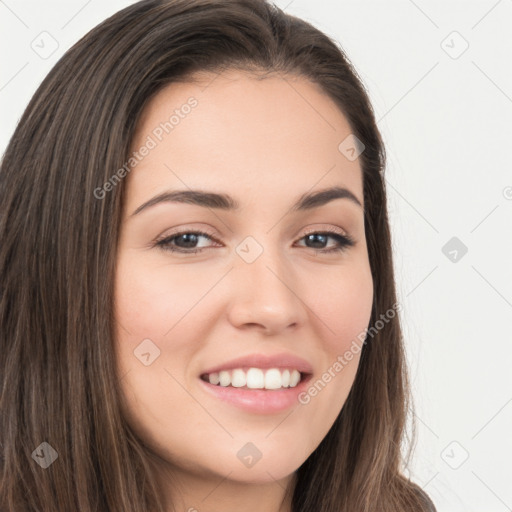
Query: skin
[(264, 142)]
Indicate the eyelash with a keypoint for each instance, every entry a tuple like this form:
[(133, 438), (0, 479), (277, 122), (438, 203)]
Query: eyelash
[(344, 241)]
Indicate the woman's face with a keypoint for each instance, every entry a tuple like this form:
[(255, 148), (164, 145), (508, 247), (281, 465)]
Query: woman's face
[(262, 285)]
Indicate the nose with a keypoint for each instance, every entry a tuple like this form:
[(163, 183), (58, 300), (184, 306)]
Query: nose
[(266, 295)]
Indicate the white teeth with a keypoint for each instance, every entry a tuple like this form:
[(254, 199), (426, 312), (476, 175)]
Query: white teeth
[(294, 378), (225, 378), (214, 378), (238, 379), (255, 378), (285, 376), (273, 379)]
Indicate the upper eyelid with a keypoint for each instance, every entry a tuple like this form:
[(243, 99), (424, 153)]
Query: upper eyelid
[(206, 232)]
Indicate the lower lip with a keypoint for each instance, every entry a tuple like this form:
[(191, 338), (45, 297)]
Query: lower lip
[(261, 401)]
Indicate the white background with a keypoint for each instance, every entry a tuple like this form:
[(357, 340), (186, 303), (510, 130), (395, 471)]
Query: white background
[(446, 117)]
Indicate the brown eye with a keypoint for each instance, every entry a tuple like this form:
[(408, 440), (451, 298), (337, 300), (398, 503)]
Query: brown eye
[(184, 242), (320, 238)]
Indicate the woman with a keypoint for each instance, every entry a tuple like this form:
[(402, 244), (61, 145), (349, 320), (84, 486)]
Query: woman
[(198, 307)]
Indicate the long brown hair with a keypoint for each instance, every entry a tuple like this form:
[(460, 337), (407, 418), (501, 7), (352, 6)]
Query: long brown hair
[(58, 254)]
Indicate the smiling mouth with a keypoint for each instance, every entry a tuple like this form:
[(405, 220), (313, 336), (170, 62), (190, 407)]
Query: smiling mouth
[(256, 378)]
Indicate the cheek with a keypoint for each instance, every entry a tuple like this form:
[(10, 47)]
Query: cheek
[(151, 299), (344, 306), (147, 306)]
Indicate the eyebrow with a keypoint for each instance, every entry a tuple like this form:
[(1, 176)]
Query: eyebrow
[(307, 201)]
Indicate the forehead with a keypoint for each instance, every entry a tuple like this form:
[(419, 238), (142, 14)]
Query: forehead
[(237, 133)]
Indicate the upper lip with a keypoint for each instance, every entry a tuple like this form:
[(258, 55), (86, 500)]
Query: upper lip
[(282, 360)]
